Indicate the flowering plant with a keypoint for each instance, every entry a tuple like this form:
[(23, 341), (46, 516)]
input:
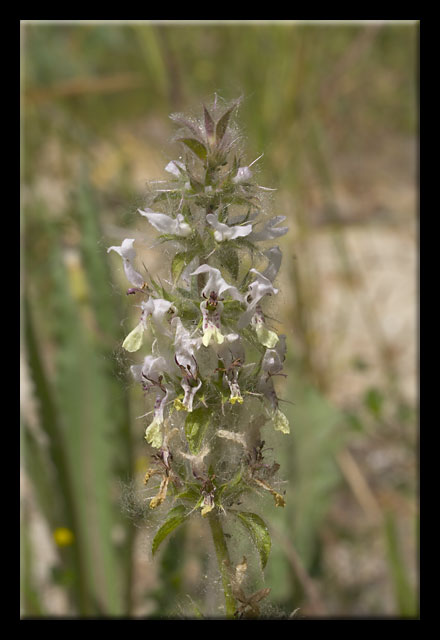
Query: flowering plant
[(213, 357)]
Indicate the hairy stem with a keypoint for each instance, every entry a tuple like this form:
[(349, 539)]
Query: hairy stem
[(223, 560)]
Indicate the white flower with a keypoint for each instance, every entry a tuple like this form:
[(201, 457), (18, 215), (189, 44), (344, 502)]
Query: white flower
[(234, 389), (260, 287), (231, 350), (185, 345), (150, 370), (226, 232), (133, 341), (211, 324), (265, 336), (271, 365), (244, 174), (165, 224), (270, 230), (128, 255), (190, 392), (273, 359), (154, 432), (156, 308), (160, 311), (217, 283)]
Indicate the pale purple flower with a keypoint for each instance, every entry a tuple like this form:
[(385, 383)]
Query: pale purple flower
[(270, 230), (274, 257)]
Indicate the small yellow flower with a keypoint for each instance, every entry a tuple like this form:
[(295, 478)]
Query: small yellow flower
[(178, 404), (63, 537)]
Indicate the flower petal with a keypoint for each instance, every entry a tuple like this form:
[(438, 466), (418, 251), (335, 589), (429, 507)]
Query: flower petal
[(260, 287), (266, 337), (270, 231), (185, 345), (190, 392), (159, 310), (274, 256), (226, 232), (133, 341), (217, 283), (153, 433), (176, 168), (165, 224), (244, 174), (212, 333), (280, 422), (128, 255)]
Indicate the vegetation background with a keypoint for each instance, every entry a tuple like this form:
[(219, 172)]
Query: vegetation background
[(334, 109)]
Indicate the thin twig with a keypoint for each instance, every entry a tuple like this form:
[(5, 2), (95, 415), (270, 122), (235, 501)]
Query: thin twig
[(86, 84), (359, 486), (309, 585)]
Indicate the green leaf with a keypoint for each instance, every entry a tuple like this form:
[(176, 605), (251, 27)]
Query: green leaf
[(374, 400), (166, 195), (259, 533), (229, 258), (183, 121), (174, 519), (209, 124), (232, 489), (87, 402), (196, 147), (404, 593), (196, 186), (190, 494), (222, 124), (196, 424), (179, 262)]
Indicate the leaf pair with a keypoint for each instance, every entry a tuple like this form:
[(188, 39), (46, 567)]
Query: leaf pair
[(215, 133)]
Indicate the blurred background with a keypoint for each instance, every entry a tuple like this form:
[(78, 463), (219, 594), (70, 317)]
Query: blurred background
[(334, 109)]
